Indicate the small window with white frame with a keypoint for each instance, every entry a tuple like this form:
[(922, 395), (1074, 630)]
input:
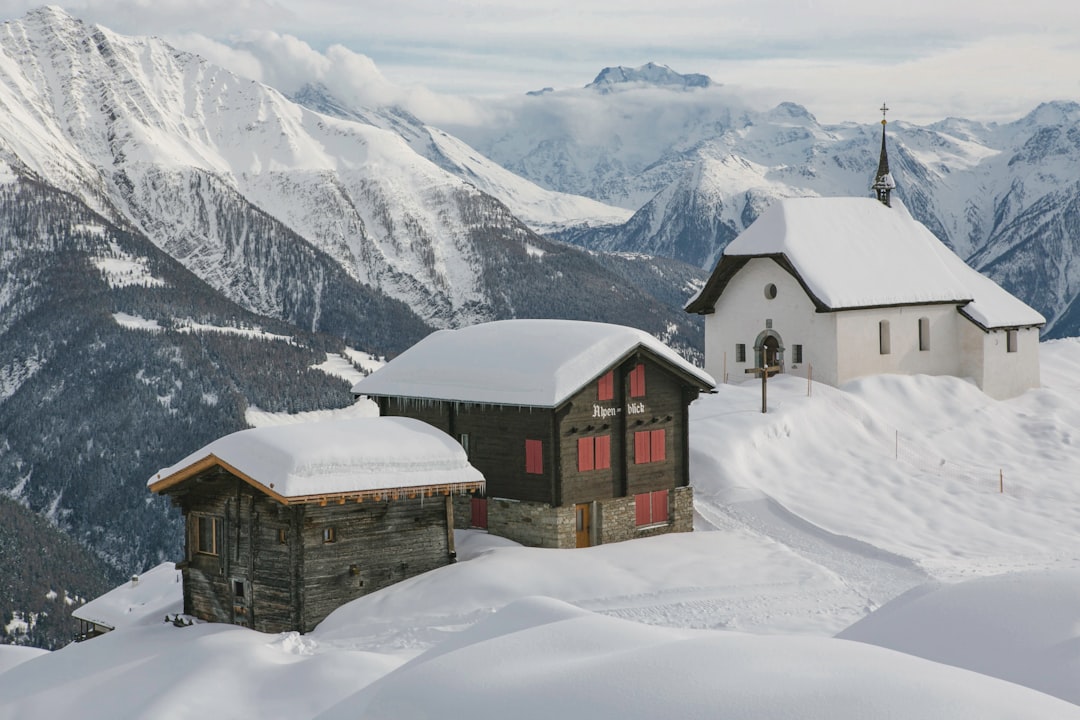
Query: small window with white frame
[(1012, 338), (740, 352)]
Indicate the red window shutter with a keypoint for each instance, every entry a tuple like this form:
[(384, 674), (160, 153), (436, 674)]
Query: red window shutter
[(637, 381), (641, 447), (659, 506), (585, 454), (642, 509), (658, 445), (534, 457), (606, 387), (479, 513), (603, 452)]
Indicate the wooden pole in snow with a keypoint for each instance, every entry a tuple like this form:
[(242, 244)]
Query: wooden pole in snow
[(809, 379), (1001, 481)]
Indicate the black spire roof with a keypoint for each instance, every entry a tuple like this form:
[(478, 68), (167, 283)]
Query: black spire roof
[(883, 181)]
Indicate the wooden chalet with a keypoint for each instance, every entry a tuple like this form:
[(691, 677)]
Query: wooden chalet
[(284, 524), (579, 428)]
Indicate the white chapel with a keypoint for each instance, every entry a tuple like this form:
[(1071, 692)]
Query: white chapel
[(846, 287)]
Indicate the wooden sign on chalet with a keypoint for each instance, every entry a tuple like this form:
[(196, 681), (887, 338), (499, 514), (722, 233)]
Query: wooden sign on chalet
[(579, 428), (284, 524)]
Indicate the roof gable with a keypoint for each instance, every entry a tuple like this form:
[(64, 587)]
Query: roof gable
[(853, 253), (533, 363)]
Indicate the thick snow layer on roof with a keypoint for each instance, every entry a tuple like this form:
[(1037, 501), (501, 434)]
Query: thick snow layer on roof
[(156, 593), (339, 456), (514, 362), (855, 252)]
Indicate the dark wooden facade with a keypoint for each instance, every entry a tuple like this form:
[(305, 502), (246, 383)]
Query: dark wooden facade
[(254, 561), (496, 438)]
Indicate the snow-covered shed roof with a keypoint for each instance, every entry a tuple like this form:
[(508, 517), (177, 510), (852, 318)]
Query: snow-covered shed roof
[(155, 593), (537, 363), (851, 252), (308, 462)]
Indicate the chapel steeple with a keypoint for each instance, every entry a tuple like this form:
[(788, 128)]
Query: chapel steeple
[(883, 180)]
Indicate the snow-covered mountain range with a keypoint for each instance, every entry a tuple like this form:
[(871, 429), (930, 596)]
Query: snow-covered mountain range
[(254, 192), (697, 165)]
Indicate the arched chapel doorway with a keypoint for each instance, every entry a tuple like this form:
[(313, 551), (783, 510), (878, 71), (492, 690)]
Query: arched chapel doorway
[(769, 351)]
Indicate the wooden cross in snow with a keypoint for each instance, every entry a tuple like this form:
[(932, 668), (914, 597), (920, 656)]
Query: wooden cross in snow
[(764, 373)]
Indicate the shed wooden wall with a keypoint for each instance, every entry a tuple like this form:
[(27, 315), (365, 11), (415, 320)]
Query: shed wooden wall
[(293, 585)]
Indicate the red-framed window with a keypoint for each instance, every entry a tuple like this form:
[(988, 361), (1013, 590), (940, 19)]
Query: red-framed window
[(637, 381), (605, 387), (594, 453), (650, 446), (534, 457), (651, 508)]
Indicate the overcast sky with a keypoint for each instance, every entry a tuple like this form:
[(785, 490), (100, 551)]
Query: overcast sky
[(840, 58)]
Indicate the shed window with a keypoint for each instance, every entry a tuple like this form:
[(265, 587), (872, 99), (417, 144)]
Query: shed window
[(651, 508), (637, 381), (594, 453), (534, 457), (740, 352), (1011, 337), (796, 354), (605, 389), (208, 534), (884, 343), (282, 536), (650, 446), (328, 535), (924, 334)]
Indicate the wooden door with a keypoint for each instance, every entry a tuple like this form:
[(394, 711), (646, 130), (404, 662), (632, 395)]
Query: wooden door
[(583, 525)]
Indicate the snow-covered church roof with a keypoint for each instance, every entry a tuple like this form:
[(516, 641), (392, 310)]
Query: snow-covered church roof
[(852, 252), (538, 363), (305, 461)]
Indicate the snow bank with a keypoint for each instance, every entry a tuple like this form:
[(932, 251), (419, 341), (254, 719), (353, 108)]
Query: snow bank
[(541, 659), (1020, 627)]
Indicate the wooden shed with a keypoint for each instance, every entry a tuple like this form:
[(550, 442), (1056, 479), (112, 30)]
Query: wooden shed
[(579, 428), (284, 524)]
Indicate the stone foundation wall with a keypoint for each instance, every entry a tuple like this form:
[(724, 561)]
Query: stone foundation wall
[(613, 520), (617, 517), (532, 524)]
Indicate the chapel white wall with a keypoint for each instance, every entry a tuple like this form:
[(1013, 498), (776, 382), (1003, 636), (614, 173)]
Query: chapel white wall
[(1008, 374), (740, 316), (860, 350)]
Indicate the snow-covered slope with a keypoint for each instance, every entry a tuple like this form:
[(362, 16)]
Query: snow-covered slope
[(815, 519), (234, 180)]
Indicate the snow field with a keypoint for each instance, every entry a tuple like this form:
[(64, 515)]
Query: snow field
[(808, 526)]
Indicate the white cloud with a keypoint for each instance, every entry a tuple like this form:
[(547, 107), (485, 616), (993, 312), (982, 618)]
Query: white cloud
[(840, 58)]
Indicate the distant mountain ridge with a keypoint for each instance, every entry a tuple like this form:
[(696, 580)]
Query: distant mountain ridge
[(699, 169), (610, 78)]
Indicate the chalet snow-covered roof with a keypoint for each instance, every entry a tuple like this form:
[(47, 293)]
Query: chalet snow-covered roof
[(155, 593), (538, 363), (852, 252), (295, 463)]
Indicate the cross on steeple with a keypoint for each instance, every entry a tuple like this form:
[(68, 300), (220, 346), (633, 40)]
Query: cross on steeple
[(883, 181)]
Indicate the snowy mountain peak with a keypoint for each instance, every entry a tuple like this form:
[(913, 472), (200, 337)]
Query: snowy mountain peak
[(610, 78)]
